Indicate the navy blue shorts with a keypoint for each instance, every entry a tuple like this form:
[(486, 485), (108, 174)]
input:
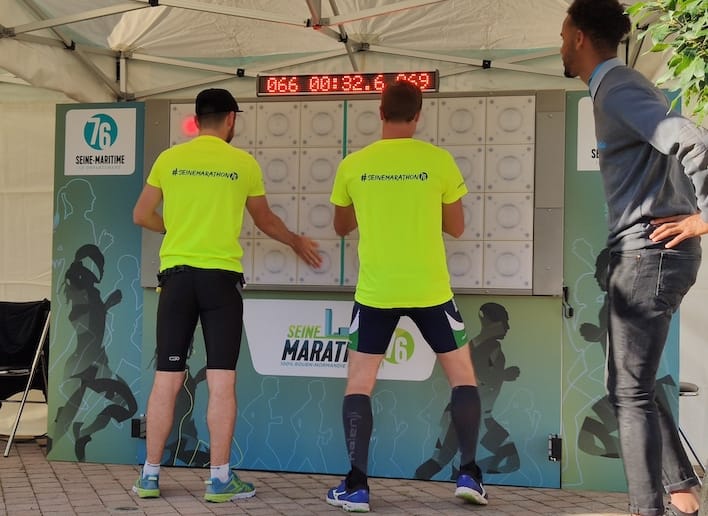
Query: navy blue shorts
[(189, 295), (371, 328)]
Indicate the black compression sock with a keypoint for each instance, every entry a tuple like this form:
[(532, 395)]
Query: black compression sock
[(465, 411), (358, 425)]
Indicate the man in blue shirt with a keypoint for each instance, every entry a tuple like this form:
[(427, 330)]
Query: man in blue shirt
[(654, 167)]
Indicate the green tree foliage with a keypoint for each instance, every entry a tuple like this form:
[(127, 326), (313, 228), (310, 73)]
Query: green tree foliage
[(679, 27)]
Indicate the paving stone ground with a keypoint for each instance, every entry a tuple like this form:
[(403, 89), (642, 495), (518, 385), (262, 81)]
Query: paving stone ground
[(31, 485)]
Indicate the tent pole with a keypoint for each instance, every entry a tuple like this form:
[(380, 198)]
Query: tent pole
[(181, 86), (186, 64), (315, 7), (123, 77), (344, 37)]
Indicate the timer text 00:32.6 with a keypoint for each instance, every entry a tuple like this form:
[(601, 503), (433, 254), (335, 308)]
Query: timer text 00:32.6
[(324, 84)]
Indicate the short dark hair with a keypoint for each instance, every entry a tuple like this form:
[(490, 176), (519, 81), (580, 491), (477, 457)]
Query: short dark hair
[(215, 100), (401, 101), (211, 120), (603, 21)]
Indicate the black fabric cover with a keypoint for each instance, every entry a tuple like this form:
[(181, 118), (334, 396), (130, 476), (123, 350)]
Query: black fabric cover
[(20, 328)]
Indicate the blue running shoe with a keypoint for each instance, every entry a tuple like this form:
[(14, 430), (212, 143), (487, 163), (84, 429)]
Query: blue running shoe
[(470, 490), (147, 487), (235, 488), (350, 500)]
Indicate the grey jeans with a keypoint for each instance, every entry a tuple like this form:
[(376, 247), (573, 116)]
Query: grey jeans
[(645, 289)]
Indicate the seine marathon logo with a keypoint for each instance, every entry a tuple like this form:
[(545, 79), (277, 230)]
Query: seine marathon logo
[(316, 345), (233, 176), (416, 176), (100, 134)]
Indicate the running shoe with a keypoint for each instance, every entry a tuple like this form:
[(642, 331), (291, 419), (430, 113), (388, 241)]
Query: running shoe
[(235, 488), (470, 490), (351, 500), (147, 487)]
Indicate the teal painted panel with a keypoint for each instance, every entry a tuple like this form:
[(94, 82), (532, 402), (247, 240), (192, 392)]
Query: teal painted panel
[(96, 326), (293, 423)]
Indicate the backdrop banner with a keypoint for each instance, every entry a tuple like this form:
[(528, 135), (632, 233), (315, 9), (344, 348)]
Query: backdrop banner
[(97, 303)]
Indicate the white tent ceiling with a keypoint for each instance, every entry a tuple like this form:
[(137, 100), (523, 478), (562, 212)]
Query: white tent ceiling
[(103, 50)]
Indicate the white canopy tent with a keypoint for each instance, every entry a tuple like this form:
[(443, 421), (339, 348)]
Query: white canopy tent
[(105, 50)]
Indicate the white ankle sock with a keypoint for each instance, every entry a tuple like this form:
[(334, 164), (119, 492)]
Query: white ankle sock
[(150, 469), (221, 472)]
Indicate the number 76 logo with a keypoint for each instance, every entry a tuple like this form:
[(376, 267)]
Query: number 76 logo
[(100, 131)]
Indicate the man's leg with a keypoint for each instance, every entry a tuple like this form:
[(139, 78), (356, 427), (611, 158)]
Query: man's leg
[(160, 412), (369, 335), (177, 316), (223, 484), (352, 494), (221, 414), (159, 418), (443, 328), (645, 289), (221, 313), (679, 478), (465, 410), (356, 413)]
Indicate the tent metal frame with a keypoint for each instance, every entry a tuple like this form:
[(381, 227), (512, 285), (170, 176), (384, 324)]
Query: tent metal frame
[(333, 27)]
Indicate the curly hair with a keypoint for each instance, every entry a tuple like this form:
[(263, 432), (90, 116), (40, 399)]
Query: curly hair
[(604, 21)]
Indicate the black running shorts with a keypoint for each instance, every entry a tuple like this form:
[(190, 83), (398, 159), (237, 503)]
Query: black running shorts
[(372, 328), (211, 296)]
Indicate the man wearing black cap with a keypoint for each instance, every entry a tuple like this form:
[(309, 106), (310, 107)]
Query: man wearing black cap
[(204, 186)]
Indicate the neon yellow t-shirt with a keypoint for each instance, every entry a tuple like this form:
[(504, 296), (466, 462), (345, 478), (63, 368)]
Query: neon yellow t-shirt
[(205, 183), (398, 187)]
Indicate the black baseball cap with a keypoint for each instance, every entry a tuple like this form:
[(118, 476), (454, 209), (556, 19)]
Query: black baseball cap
[(215, 100)]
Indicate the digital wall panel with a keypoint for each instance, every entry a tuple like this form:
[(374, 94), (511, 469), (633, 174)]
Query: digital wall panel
[(299, 143)]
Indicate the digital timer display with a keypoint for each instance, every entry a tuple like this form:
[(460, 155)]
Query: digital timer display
[(337, 84)]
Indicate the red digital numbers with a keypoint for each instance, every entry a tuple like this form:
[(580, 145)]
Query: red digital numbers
[(282, 85), (421, 79), (323, 84), (319, 83), (337, 84), (354, 83)]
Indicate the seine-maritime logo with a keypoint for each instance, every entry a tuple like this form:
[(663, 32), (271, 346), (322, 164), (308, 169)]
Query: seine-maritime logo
[(100, 131), (402, 348)]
